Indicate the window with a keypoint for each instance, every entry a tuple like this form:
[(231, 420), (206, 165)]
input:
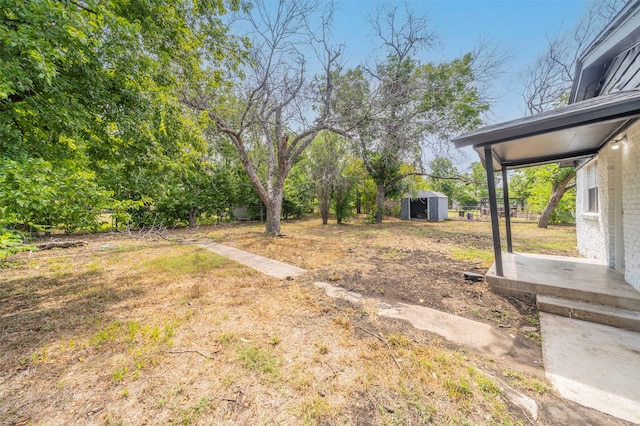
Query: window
[(592, 188)]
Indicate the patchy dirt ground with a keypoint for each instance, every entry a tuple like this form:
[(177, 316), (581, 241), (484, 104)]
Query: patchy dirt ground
[(430, 279), (147, 330), (414, 262)]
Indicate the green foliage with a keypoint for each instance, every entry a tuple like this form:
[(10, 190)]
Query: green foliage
[(299, 188), (336, 174), (343, 202), (366, 195), (386, 171), (415, 102), (467, 201), (451, 102), (12, 242), (89, 115), (535, 184), (199, 189), (478, 179), (42, 196), (443, 171)]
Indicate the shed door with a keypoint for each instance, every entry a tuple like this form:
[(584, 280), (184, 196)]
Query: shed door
[(433, 208)]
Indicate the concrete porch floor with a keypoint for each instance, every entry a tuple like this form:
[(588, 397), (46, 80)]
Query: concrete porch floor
[(528, 275)]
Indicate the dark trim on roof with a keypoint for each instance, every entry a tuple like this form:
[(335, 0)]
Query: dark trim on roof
[(611, 107), (547, 159)]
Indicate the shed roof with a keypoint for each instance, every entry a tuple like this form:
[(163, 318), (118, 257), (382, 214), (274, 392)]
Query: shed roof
[(426, 194), (572, 132)]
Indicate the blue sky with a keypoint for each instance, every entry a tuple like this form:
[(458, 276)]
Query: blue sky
[(521, 26)]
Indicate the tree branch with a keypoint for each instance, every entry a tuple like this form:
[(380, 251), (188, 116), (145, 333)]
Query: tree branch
[(404, 175), (82, 6)]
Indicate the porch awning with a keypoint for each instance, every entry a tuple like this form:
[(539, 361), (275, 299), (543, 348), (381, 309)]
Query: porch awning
[(572, 132)]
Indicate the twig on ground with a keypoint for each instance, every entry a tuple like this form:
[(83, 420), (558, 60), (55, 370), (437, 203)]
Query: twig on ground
[(527, 417), (369, 332), (237, 399), (152, 233), (186, 351), (25, 421), (382, 340)]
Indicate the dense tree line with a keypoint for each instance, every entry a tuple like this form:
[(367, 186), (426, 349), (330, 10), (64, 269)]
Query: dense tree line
[(90, 116), (159, 112), (171, 112)]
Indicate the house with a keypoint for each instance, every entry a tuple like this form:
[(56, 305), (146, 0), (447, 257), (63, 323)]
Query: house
[(429, 205), (598, 133), (608, 184)]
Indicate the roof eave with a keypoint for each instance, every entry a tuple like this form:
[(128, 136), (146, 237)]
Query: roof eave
[(604, 108)]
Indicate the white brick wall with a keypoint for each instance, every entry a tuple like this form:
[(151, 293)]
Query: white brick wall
[(631, 204), (590, 227), (596, 232)]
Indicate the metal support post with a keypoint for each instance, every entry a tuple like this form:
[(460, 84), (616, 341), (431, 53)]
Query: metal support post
[(507, 208), (493, 207)]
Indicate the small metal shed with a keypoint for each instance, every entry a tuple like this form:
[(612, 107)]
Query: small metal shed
[(429, 205)]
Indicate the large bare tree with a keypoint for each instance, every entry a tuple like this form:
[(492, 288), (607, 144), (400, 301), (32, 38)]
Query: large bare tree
[(547, 82), (277, 104)]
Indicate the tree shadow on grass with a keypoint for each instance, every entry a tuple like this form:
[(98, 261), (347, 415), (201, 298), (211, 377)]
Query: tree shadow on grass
[(37, 311)]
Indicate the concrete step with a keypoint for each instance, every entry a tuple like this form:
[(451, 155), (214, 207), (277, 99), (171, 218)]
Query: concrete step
[(617, 293), (601, 314)]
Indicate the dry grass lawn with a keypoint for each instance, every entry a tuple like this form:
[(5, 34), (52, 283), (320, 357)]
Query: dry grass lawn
[(137, 331)]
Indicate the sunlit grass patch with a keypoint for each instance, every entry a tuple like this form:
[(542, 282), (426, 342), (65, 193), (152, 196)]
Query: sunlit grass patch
[(106, 334), (488, 385), (193, 413), (138, 345), (314, 410), (473, 255), (530, 383), (173, 333), (432, 385), (534, 337), (193, 262), (262, 361), (559, 240)]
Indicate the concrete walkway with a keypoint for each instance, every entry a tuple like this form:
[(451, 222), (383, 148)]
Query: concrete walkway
[(267, 266), (453, 328), (458, 330), (594, 365)]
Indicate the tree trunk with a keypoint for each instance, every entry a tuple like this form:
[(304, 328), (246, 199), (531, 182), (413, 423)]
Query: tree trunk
[(324, 204), (192, 218), (60, 244), (274, 210), (340, 210), (557, 192), (379, 202)]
